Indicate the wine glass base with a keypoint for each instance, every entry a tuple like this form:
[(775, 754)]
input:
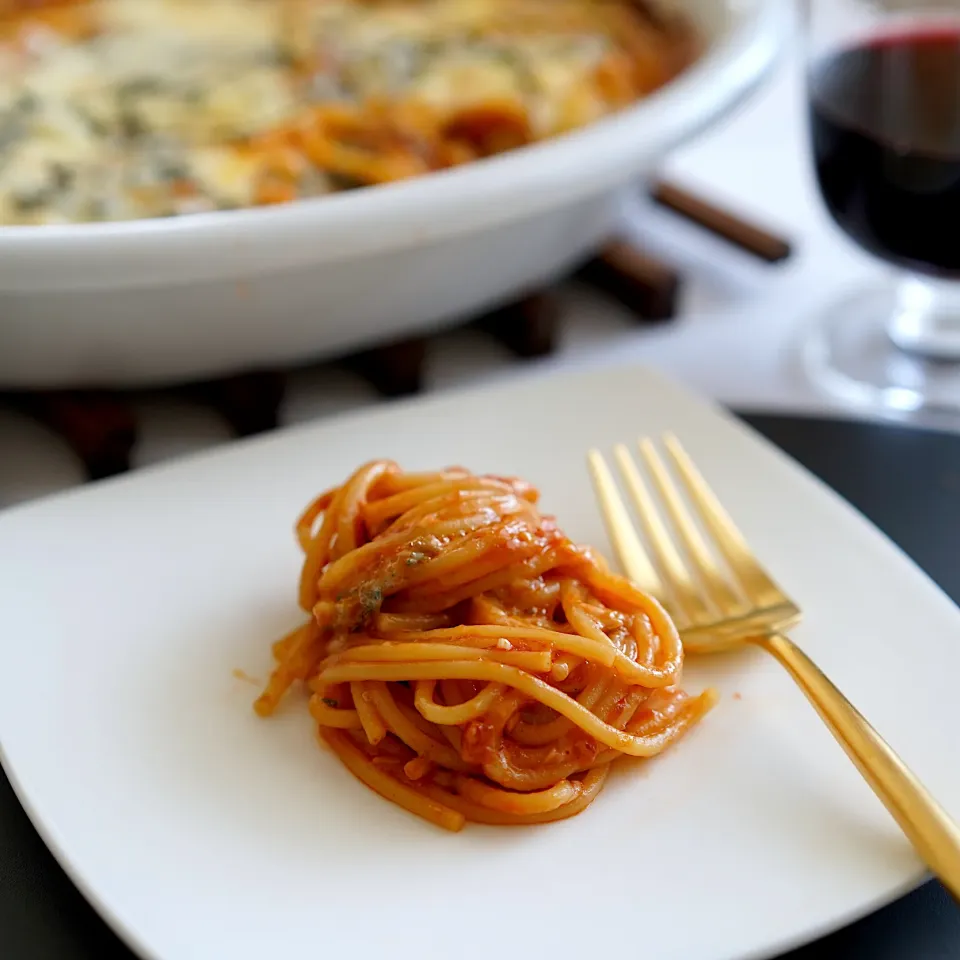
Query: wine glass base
[(849, 354)]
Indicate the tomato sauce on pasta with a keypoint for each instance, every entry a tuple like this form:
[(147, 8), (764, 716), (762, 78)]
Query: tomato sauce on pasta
[(465, 659)]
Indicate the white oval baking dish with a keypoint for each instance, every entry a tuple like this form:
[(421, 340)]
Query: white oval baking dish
[(155, 301)]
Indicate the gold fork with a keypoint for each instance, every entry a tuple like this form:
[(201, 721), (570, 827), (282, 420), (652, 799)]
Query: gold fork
[(716, 610)]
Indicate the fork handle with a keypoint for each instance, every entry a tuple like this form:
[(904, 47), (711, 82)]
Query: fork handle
[(934, 835)]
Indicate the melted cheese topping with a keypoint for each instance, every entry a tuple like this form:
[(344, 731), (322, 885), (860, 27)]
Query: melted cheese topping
[(123, 109)]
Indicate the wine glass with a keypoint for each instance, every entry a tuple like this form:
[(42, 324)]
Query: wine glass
[(883, 91)]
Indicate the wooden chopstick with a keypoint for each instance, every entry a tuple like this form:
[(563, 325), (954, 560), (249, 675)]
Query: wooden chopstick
[(725, 224)]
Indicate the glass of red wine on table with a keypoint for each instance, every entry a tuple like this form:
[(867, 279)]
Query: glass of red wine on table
[(883, 89)]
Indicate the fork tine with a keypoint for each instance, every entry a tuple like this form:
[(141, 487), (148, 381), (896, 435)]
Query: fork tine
[(633, 558), (714, 580), (757, 585), (681, 585)]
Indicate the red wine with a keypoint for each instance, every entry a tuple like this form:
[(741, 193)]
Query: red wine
[(885, 121)]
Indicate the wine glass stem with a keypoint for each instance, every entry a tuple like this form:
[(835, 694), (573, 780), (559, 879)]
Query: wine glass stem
[(926, 317)]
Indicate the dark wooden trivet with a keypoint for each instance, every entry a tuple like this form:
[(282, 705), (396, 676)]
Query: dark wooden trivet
[(249, 403), (392, 369), (647, 287), (528, 327), (100, 426)]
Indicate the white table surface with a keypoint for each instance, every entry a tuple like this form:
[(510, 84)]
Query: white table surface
[(736, 339)]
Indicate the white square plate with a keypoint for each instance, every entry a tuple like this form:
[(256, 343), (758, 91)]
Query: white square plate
[(201, 831)]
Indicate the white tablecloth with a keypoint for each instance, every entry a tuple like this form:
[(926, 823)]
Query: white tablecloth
[(736, 339)]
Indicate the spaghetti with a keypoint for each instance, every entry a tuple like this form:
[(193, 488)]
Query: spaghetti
[(465, 659), (123, 109)]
